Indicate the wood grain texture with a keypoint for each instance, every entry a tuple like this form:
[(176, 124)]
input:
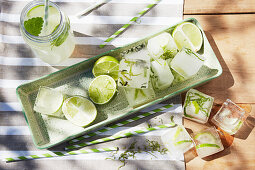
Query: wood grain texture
[(232, 39), (218, 6), (238, 150)]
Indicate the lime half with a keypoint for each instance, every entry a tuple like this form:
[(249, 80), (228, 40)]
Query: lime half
[(188, 35), (106, 65), (102, 89), (79, 110)]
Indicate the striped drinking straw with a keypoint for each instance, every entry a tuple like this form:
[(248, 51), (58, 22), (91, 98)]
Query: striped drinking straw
[(59, 154), (129, 23), (122, 135), (143, 115)]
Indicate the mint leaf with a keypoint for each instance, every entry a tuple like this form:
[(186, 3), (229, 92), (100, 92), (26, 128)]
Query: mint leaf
[(58, 41), (34, 25)]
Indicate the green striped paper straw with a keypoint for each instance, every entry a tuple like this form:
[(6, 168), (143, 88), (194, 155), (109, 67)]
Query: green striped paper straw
[(143, 115), (129, 23), (59, 154), (121, 135)]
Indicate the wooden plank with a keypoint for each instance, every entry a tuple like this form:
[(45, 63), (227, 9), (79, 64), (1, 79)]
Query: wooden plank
[(218, 6), (232, 39)]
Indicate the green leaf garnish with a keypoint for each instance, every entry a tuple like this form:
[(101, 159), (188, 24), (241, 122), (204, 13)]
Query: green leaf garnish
[(34, 25), (61, 39)]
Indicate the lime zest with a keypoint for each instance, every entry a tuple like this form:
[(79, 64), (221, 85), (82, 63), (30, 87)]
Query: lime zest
[(34, 25), (196, 106), (207, 145), (177, 133), (189, 51)]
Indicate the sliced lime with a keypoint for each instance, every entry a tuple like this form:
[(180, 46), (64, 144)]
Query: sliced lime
[(79, 110), (207, 145), (182, 141), (188, 35), (205, 137), (49, 102), (106, 65), (53, 19), (102, 89)]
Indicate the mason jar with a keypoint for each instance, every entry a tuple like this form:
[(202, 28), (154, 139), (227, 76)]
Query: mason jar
[(52, 42)]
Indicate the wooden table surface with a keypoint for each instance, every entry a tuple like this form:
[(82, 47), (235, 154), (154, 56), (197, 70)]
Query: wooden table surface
[(230, 28)]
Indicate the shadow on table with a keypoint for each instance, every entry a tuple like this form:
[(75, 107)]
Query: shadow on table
[(246, 128), (223, 82)]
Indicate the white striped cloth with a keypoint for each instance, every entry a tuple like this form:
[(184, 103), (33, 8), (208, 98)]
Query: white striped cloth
[(18, 65)]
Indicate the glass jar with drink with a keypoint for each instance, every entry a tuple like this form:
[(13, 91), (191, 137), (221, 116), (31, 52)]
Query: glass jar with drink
[(46, 29)]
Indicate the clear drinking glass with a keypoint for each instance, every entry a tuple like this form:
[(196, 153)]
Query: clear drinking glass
[(55, 42)]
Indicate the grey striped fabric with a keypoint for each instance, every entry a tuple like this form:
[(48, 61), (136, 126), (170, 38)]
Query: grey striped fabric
[(19, 65)]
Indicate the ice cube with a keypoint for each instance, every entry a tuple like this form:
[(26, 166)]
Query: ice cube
[(230, 117), (161, 74), (197, 106), (161, 44), (187, 63), (177, 140), (207, 142), (134, 73), (140, 55), (49, 102), (138, 97)]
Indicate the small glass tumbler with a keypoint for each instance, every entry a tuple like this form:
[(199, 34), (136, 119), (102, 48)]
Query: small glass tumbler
[(52, 41)]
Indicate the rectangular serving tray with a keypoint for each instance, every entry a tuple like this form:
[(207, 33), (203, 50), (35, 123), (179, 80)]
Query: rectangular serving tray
[(74, 80)]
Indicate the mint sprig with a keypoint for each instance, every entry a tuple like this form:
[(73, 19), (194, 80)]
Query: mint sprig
[(61, 39), (34, 25)]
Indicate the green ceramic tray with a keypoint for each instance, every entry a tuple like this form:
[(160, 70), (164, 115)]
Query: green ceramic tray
[(74, 80)]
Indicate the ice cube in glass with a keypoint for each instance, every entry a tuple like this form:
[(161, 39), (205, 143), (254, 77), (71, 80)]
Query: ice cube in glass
[(134, 73), (161, 74), (177, 140), (197, 106), (187, 63), (207, 142), (137, 97), (230, 117)]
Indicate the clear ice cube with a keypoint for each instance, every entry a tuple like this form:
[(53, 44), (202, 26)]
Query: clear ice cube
[(161, 44), (207, 142), (49, 102), (187, 63), (143, 54), (230, 117), (197, 106), (138, 97), (161, 74), (134, 73), (177, 140)]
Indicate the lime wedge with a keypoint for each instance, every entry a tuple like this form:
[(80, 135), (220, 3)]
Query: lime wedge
[(207, 145), (49, 102), (106, 65), (188, 35), (205, 137), (102, 89), (53, 19), (79, 110)]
